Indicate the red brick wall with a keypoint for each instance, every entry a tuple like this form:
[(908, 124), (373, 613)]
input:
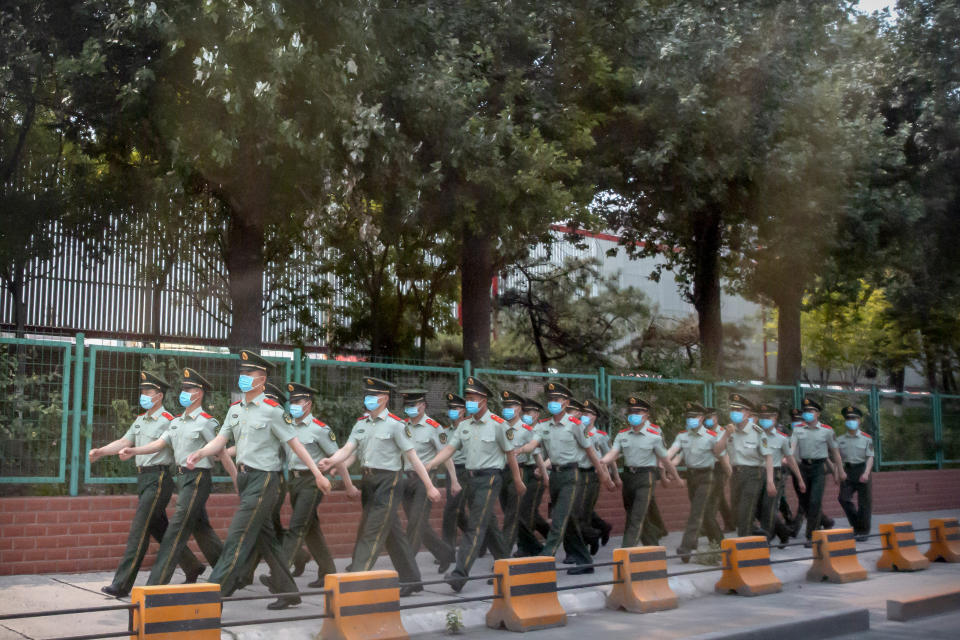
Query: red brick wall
[(65, 535)]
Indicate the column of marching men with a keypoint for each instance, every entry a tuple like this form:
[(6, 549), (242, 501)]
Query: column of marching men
[(530, 450)]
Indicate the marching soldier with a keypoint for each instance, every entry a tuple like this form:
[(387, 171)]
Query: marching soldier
[(597, 417), (588, 477), (641, 445), (454, 513), (781, 451), (154, 487), (319, 441), (812, 442), (512, 412), (565, 441), (193, 429), (382, 441), (259, 426), (535, 478), (698, 447), (856, 451), (487, 442), (752, 462), (427, 441), (717, 503)]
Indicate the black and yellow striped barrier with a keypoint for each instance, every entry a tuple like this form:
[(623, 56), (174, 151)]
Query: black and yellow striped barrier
[(900, 551), (363, 605), (944, 540), (527, 595), (640, 581), (835, 557), (176, 612), (746, 569)]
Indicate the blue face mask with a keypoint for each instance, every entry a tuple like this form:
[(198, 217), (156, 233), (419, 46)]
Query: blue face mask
[(296, 410), (635, 419), (245, 383), (411, 411), (527, 419), (585, 419), (736, 417), (554, 407), (709, 422), (808, 416), (146, 401), (509, 413), (853, 425), (766, 423), (472, 406), (372, 403), (186, 398), (453, 414), (693, 423)]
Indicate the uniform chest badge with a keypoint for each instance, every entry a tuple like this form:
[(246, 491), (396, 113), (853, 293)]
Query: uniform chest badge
[(443, 438), (333, 436), (287, 418), (510, 433), (407, 431)]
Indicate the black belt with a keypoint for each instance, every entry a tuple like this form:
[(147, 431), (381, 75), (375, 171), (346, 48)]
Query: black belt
[(181, 470), (296, 473), (587, 469), (152, 468), (699, 469), (529, 466), (370, 470), (566, 467), (460, 467), (811, 461), (639, 469), (480, 473), (847, 465), (247, 469), (746, 467)]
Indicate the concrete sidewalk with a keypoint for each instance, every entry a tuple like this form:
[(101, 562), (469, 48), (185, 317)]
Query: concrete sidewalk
[(43, 592)]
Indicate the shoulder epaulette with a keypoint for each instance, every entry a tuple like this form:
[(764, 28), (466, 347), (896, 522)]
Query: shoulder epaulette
[(497, 418), (206, 415), (655, 432), (141, 415), (542, 420), (271, 402), (433, 423), (624, 430), (866, 435), (711, 432), (364, 416), (603, 433), (528, 427), (574, 420), (826, 426), (590, 434), (397, 418), (318, 422), (782, 433), (758, 429), (167, 415), (233, 403), (655, 426)]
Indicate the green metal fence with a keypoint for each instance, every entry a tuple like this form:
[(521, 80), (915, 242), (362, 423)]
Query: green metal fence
[(60, 399)]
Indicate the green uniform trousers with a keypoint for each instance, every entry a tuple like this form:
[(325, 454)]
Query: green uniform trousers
[(748, 483), (528, 511), (768, 508), (638, 487), (381, 492), (510, 506), (859, 516), (278, 531), (584, 509), (719, 507), (304, 526), (190, 518), (454, 509), (417, 508), (252, 529), (810, 502), (154, 488), (699, 484), (566, 486), (482, 489)]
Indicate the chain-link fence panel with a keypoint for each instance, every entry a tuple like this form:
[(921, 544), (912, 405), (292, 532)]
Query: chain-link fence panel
[(781, 396), (34, 390), (530, 383), (112, 388), (666, 396), (834, 400), (907, 434), (950, 421)]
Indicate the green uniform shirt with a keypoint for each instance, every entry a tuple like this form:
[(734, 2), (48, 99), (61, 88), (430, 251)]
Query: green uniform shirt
[(565, 441), (813, 442), (459, 456), (188, 433), (485, 441), (697, 447), (144, 430), (381, 441), (780, 447), (524, 434), (316, 437), (259, 427), (855, 447), (748, 446), (640, 446), (595, 442), (426, 440)]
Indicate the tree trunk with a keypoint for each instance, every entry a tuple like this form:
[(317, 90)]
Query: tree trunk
[(19, 304), (789, 352), (706, 289), (245, 265), (476, 272)]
